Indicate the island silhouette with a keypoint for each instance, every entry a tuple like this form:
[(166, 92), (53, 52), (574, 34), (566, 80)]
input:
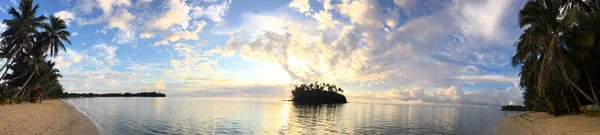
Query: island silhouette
[(318, 93)]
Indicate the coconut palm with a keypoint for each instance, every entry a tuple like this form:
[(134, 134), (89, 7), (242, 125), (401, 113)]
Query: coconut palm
[(541, 43), (21, 27), (50, 40), (45, 82), (56, 33)]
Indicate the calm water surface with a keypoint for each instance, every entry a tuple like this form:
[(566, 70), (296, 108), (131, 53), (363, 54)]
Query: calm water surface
[(200, 115)]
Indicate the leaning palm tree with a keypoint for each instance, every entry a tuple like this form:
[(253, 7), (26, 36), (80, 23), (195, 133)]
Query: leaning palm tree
[(21, 27), (541, 43), (46, 81), (34, 57)]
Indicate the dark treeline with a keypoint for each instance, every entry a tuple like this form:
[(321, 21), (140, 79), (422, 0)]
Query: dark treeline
[(318, 93), (26, 47), (513, 108), (127, 94), (559, 54)]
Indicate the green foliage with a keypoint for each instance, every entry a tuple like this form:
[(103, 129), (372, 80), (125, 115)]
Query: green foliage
[(317, 87), (559, 54), (590, 112)]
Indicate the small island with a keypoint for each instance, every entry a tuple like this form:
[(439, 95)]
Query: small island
[(513, 108), (127, 94), (318, 93)]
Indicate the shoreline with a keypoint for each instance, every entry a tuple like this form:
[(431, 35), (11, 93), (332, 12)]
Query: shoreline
[(542, 123), (49, 117)]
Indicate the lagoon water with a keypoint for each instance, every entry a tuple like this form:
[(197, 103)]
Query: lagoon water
[(201, 115)]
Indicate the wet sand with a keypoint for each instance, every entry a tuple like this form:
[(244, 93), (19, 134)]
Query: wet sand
[(49, 117), (534, 123)]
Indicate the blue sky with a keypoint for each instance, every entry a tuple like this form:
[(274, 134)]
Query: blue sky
[(401, 51)]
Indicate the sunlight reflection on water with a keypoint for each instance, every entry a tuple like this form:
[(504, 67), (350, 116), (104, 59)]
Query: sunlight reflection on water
[(175, 115)]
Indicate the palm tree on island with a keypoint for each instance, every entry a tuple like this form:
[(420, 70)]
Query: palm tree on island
[(318, 93)]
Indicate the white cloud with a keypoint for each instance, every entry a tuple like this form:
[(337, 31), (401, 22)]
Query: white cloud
[(99, 55), (145, 1), (104, 54), (301, 6), (452, 95), (160, 85), (124, 37), (327, 5), (107, 5), (183, 35), (493, 79), (325, 20), (68, 58), (365, 13), (121, 20), (3, 27), (422, 51), (74, 34), (483, 18), (176, 15), (65, 15), (146, 35), (214, 12), (255, 24)]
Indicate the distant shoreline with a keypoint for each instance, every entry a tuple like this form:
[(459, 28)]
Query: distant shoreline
[(127, 94), (48, 117), (542, 123)]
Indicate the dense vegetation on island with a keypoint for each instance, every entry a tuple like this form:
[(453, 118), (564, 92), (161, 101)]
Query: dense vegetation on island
[(559, 55), (513, 108), (318, 93), (127, 94), (26, 47)]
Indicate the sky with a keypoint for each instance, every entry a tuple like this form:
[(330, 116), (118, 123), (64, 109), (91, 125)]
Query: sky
[(390, 51)]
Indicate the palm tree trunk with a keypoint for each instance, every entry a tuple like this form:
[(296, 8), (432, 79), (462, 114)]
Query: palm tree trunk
[(9, 59), (23, 87), (4, 74), (44, 96), (542, 67), (575, 95), (22, 95), (550, 106), (564, 72), (593, 91), (40, 96), (18, 76), (562, 94)]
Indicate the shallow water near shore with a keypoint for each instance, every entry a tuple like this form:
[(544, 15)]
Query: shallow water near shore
[(201, 115)]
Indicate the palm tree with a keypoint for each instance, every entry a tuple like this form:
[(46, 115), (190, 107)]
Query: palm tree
[(21, 27), (46, 81), (50, 40), (56, 34), (541, 43)]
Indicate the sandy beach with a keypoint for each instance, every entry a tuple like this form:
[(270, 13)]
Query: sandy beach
[(51, 117), (532, 123)]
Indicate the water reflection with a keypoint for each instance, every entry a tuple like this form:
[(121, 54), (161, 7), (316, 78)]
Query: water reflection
[(273, 116), (313, 119)]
